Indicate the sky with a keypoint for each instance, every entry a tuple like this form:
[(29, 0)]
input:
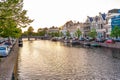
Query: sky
[(48, 13)]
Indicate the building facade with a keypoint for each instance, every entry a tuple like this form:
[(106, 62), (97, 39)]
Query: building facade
[(71, 27), (98, 23)]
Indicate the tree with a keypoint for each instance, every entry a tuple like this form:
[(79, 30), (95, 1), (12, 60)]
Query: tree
[(68, 33), (60, 34), (78, 33), (115, 32), (11, 31), (25, 33), (54, 34), (15, 11), (12, 18), (93, 33), (41, 32), (30, 31), (17, 32)]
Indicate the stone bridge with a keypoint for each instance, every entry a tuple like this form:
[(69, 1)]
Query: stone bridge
[(35, 37)]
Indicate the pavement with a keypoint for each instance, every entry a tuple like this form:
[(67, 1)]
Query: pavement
[(7, 64)]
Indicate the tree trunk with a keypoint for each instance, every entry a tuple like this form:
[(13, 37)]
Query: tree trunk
[(28, 38)]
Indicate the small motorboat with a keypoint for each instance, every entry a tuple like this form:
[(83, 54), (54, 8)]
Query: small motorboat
[(86, 44), (95, 45)]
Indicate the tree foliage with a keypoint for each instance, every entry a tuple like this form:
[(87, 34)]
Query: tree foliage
[(12, 18), (61, 34), (30, 31), (54, 34), (93, 33), (68, 33), (78, 33), (42, 32), (25, 33), (115, 32)]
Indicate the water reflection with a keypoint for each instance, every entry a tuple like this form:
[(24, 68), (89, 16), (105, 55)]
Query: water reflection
[(46, 60), (116, 53)]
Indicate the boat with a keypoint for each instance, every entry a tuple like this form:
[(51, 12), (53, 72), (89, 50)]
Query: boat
[(54, 39), (95, 45), (66, 41), (86, 44), (74, 42)]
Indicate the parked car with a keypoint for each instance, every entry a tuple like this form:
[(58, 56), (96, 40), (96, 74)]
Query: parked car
[(67, 40), (100, 40), (81, 39), (117, 39), (110, 41), (1, 41), (54, 39), (89, 39), (9, 44), (4, 51)]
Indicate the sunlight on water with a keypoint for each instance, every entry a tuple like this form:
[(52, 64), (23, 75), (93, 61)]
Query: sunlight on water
[(46, 60)]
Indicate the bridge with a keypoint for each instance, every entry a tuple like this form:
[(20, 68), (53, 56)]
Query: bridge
[(36, 37)]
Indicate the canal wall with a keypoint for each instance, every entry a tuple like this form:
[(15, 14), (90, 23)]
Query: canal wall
[(115, 45), (8, 64)]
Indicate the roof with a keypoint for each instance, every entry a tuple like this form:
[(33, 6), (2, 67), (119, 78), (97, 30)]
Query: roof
[(96, 18), (103, 16), (91, 19), (114, 11)]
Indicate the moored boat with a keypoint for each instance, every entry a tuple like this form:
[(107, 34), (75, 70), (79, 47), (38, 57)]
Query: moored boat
[(75, 42), (54, 39), (95, 45), (86, 44)]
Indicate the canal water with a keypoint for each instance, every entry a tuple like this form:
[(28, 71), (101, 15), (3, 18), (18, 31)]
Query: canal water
[(47, 60)]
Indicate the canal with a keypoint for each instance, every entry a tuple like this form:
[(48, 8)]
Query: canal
[(47, 60)]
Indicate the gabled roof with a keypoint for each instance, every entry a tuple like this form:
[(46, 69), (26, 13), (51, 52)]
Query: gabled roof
[(103, 16), (96, 18), (91, 19)]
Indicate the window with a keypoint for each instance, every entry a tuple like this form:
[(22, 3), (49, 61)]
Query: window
[(2, 48), (101, 26)]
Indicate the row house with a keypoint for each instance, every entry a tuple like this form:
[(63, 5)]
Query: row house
[(71, 27), (98, 23), (53, 30), (101, 23), (86, 28)]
